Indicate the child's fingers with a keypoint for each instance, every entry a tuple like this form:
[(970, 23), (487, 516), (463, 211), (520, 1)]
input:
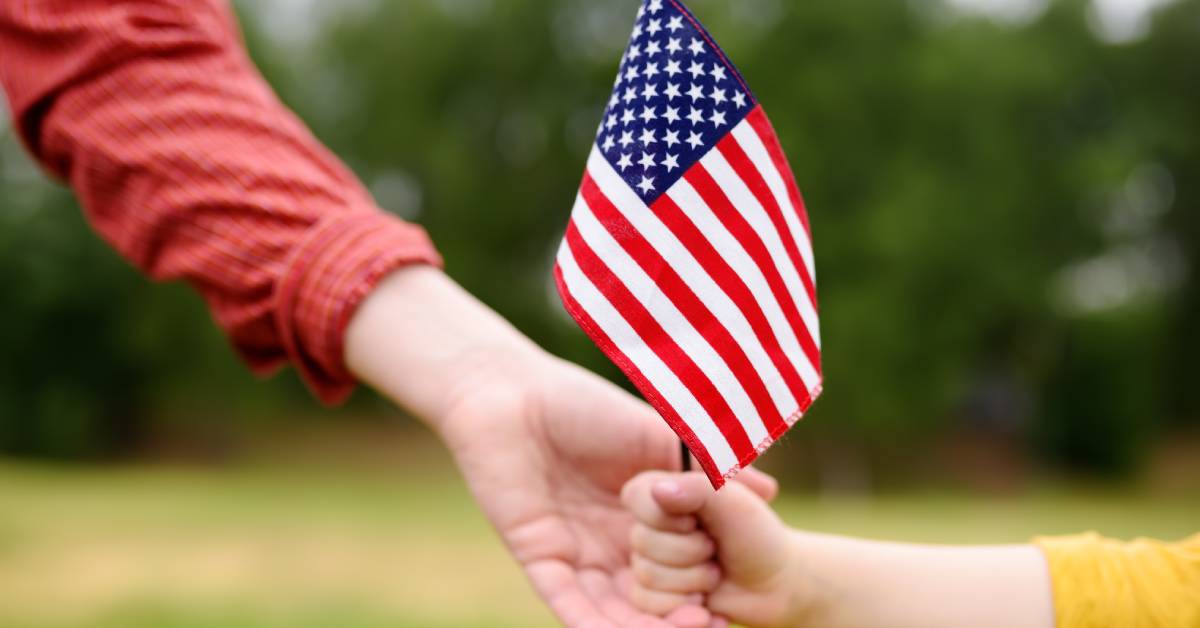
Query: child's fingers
[(762, 484), (681, 493), (693, 579), (669, 548), (659, 603), (637, 498)]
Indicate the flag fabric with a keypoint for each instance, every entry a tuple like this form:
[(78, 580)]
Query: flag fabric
[(688, 256)]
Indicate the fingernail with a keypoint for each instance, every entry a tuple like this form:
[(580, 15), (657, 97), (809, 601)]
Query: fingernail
[(670, 487)]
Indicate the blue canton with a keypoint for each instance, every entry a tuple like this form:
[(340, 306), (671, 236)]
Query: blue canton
[(675, 97)]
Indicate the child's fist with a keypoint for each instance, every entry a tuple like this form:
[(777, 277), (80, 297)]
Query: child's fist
[(690, 541)]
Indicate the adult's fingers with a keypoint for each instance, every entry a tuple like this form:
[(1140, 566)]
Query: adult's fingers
[(691, 616), (700, 578), (637, 498), (672, 549), (558, 585)]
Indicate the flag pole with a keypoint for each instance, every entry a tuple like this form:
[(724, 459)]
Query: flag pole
[(685, 455)]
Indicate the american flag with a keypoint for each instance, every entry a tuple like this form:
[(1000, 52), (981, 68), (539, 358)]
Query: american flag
[(688, 257)]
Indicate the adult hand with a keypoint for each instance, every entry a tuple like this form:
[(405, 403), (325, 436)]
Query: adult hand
[(544, 445)]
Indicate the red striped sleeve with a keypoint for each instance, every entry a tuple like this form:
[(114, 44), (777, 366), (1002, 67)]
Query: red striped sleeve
[(185, 161)]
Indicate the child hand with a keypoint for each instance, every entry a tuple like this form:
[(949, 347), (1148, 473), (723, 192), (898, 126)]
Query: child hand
[(690, 540)]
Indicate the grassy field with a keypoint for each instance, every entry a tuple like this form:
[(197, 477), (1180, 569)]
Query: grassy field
[(265, 546)]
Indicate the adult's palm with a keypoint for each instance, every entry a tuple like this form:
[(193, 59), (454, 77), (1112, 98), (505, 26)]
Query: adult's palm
[(547, 462)]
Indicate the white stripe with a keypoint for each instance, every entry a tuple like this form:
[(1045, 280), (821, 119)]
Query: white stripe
[(670, 318), (660, 238), (749, 207), (752, 144), (720, 239), (643, 357)]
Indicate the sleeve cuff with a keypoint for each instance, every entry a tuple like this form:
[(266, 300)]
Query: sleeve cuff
[(334, 268)]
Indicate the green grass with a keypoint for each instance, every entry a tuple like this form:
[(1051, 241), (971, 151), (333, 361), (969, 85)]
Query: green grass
[(264, 547)]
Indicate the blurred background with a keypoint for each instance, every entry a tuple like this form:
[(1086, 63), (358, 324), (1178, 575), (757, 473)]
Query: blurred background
[(1006, 209)]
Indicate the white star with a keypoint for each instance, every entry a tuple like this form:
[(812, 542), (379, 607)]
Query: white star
[(655, 27), (696, 93), (672, 115), (696, 116), (696, 47), (626, 139), (637, 28), (674, 46), (608, 143), (718, 96), (671, 139), (675, 23), (672, 91), (650, 71), (673, 68), (653, 48), (630, 94), (648, 137), (650, 91), (647, 162), (635, 51), (614, 101), (624, 162), (648, 114), (694, 141), (641, 12), (718, 119), (611, 121), (655, 6), (671, 162), (628, 118), (718, 73), (631, 72), (740, 99), (646, 186), (697, 70)]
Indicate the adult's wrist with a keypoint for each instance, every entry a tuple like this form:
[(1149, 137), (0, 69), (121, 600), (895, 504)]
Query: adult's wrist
[(424, 342)]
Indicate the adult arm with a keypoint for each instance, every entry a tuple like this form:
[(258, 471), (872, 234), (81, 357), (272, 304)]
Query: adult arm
[(189, 166)]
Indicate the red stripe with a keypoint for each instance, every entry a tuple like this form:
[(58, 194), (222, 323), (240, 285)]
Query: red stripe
[(662, 344), (749, 174), (758, 120), (680, 295), (741, 230), (639, 380), (715, 265)]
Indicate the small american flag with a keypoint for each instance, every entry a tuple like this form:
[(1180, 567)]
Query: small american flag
[(688, 258)]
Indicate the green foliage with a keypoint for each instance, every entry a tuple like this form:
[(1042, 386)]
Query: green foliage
[(976, 192)]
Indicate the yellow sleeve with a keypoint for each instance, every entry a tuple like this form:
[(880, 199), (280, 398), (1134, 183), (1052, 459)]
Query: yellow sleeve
[(1138, 584)]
